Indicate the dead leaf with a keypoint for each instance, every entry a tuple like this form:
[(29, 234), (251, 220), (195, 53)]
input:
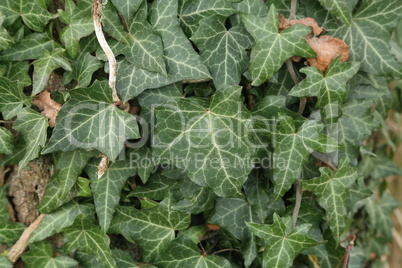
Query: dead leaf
[(102, 166), (327, 49), (212, 227), (312, 23), (48, 106)]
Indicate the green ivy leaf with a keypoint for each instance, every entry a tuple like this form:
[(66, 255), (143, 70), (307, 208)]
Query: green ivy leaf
[(256, 7), (6, 39), (332, 189), (33, 127), (196, 199), (182, 252), (79, 24), (83, 187), (223, 51), (272, 48), (368, 36), (107, 189), (193, 11), (40, 254), (68, 167), (181, 59), (127, 8), (58, 219), (12, 98), (330, 88), (339, 8), (86, 237), (292, 148), (111, 24), (202, 132), (146, 49), (91, 120), (10, 232), (151, 228), (157, 187), (83, 68), (355, 125), (43, 66), (5, 263), (154, 97), (6, 141), (31, 13), (16, 71), (282, 244), (379, 211), (29, 48)]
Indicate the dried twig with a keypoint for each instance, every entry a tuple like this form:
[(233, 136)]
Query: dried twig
[(96, 16), (22, 243)]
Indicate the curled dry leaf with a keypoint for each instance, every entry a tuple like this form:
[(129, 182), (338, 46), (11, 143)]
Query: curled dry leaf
[(48, 106), (327, 49), (102, 166), (312, 23)]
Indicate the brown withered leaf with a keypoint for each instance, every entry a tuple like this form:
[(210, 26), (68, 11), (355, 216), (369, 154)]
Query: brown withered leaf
[(327, 49), (102, 166), (312, 23), (48, 106)]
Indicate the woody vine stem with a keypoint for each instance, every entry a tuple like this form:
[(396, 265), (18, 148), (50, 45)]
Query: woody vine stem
[(290, 67)]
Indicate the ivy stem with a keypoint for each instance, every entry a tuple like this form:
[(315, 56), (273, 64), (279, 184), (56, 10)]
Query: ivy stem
[(226, 249), (22, 243), (299, 194), (96, 16)]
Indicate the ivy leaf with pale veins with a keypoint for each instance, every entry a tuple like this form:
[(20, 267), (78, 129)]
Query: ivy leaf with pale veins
[(29, 48), (112, 25), (193, 11), (191, 134), (68, 167), (369, 34), (79, 24), (292, 148), (329, 87), (222, 50), (63, 217), (355, 125), (86, 237), (6, 141), (33, 127), (339, 8), (232, 214), (256, 7), (16, 71), (151, 228), (332, 189), (146, 48), (31, 13), (379, 211), (5, 262), (273, 48), (12, 98), (182, 252), (282, 243), (40, 254), (43, 66), (6, 40), (107, 189), (83, 68), (91, 120), (182, 61), (127, 7)]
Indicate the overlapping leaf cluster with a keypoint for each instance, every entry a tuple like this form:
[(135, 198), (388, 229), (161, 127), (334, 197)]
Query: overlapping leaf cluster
[(204, 155)]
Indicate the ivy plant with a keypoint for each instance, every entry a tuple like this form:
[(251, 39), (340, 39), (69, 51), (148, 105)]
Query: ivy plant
[(200, 133)]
